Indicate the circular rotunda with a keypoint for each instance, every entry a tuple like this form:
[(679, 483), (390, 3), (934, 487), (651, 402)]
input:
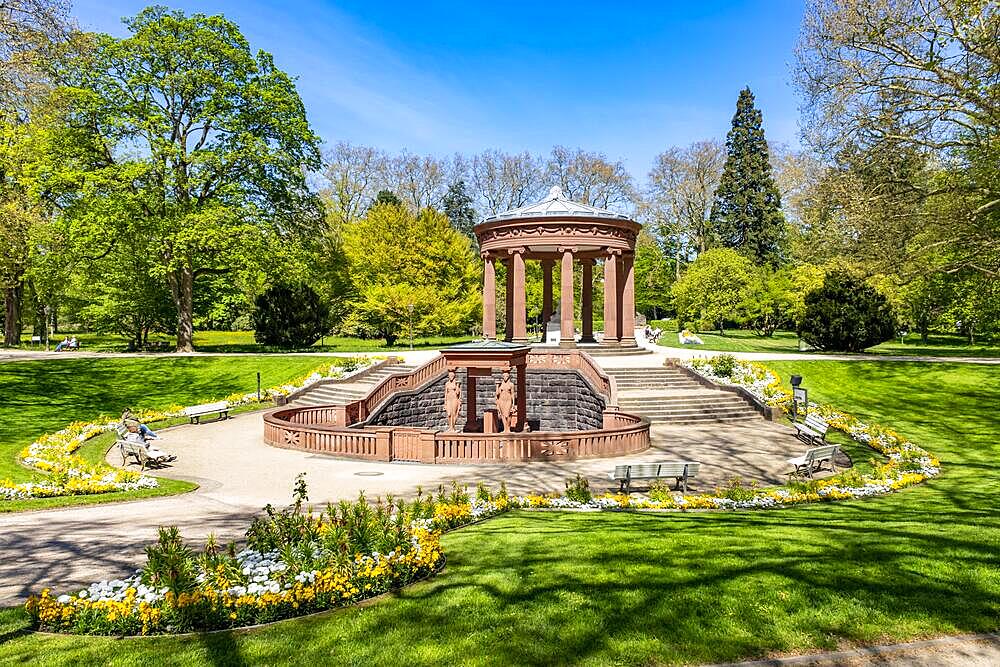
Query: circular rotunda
[(557, 229)]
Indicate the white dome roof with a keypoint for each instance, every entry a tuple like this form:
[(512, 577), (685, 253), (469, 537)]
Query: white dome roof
[(556, 205)]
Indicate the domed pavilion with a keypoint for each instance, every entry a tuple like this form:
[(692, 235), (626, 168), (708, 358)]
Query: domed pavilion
[(557, 229)]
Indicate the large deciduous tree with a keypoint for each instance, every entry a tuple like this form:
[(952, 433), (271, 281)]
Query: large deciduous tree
[(715, 289), (880, 77), (746, 214), (28, 30), (408, 269), (180, 134)]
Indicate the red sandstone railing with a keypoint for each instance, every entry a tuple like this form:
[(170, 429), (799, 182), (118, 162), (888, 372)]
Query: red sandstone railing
[(394, 383), (292, 428), (327, 429)]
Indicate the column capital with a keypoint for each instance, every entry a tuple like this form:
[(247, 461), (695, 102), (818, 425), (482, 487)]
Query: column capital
[(517, 251), (486, 255), (565, 249), (615, 252)]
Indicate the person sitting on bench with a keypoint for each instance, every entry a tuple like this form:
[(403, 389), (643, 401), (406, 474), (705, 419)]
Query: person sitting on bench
[(154, 454), (146, 432)]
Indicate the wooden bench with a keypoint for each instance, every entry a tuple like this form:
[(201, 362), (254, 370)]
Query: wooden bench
[(196, 412), (680, 471), (813, 460), (812, 431)]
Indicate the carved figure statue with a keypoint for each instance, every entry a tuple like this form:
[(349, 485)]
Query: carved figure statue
[(452, 399), (505, 400)]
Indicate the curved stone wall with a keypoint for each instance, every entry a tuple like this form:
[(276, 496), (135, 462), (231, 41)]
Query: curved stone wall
[(558, 400)]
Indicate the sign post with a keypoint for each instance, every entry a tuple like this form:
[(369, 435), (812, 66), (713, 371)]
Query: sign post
[(799, 395)]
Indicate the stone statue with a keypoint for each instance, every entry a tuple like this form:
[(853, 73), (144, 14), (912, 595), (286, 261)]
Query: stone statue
[(452, 399), (505, 400)]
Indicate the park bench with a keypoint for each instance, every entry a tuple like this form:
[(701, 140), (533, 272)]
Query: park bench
[(813, 460), (812, 431), (196, 412), (680, 471), (136, 450)]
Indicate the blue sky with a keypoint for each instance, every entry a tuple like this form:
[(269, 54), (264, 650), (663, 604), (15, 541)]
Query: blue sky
[(440, 77)]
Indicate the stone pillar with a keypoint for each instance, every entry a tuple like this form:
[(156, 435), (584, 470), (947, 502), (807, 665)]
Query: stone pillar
[(471, 418), (522, 398), (509, 312), (489, 298), (567, 335), (628, 301), (520, 297), (611, 298), (587, 297), (546, 295)]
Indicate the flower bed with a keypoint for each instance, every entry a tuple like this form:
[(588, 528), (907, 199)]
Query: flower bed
[(295, 563), (53, 453), (906, 463)]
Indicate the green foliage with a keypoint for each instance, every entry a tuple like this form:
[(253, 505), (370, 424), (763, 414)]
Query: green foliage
[(386, 197), (180, 136), (653, 277), (170, 563), (409, 270), (846, 315), (724, 365), (457, 205), (715, 289), (772, 303), (746, 214), (578, 489), (734, 489), (290, 316)]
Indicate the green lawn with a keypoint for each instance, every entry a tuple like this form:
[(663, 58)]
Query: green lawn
[(242, 341), (41, 396), (740, 340), (597, 589)]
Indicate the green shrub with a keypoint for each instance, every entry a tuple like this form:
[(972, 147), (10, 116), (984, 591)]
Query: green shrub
[(734, 490), (578, 489), (170, 563), (290, 316), (723, 365), (846, 315)]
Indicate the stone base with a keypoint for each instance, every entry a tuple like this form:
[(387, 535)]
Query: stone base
[(567, 343), (628, 342), (610, 343), (587, 339)]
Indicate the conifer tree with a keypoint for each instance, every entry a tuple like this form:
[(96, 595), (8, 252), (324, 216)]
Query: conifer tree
[(457, 204), (747, 214)]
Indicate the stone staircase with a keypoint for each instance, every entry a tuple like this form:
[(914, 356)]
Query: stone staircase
[(670, 395), (346, 392)]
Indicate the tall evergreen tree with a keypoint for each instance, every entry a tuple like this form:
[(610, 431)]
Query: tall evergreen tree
[(457, 205), (747, 214)]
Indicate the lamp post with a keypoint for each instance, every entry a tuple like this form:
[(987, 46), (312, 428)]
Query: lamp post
[(410, 308)]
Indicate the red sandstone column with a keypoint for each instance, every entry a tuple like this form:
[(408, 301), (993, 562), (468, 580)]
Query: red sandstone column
[(628, 301), (567, 335), (587, 296), (546, 294), (489, 298), (611, 299), (520, 297), (522, 398), (471, 418), (509, 319)]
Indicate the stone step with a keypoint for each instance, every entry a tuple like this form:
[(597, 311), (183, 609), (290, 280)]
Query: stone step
[(671, 401), (689, 411), (706, 419), (656, 384), (671, 405)]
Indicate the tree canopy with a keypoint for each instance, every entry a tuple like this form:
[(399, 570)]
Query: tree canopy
[(180, 135)]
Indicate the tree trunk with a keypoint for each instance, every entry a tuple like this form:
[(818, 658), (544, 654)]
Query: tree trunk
[(12, 315), (182, 291)]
